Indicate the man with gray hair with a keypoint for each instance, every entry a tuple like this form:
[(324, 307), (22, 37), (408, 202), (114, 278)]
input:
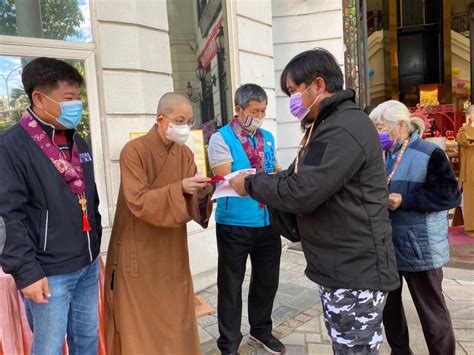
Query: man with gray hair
[(243, 226)]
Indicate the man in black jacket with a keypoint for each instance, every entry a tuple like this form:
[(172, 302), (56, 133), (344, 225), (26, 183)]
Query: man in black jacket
[(50, 226), (334, 197)]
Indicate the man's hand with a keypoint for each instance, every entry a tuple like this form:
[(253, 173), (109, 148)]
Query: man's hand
[(394, 201), (238, 182), (38, 291), (192, 185)]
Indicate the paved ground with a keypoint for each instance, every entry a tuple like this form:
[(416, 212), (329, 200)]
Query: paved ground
[(298, 321), (462, 256)]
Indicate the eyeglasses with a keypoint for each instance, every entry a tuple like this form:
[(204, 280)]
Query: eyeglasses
[(190, 122)]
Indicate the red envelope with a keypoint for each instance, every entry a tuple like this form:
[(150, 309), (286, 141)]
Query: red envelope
[(216, 178)]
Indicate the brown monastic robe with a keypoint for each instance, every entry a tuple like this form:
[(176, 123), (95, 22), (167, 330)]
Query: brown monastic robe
[(465, 139), (149, 298)]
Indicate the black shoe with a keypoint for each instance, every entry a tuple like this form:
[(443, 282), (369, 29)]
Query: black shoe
[(270, 344)]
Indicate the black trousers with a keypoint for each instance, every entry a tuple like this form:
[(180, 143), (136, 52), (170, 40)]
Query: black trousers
[(426, 292), (234, 245)]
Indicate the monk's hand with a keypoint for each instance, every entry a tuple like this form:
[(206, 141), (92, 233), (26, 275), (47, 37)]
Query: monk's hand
[(394, 201), (238, 183), (38, 291), (193, 184), (201, 193)]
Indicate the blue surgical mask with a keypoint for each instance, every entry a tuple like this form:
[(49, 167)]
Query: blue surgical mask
[(71, 113)]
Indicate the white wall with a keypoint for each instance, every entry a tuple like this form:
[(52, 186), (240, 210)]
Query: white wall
[(300, 25), (136, 65), (250, 25), (134, 69)]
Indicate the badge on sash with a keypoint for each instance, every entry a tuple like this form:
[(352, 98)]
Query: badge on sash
[(85, 157)]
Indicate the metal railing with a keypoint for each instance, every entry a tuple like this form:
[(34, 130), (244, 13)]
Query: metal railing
[(374, 22), (460, 23)]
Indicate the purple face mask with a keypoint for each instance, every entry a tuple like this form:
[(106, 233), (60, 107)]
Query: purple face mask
[(297, 108), (386, 141)]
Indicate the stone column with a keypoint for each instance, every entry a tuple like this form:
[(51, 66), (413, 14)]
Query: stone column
[(298, 26)]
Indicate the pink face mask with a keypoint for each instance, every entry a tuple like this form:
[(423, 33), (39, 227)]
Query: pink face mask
[(297, 109)]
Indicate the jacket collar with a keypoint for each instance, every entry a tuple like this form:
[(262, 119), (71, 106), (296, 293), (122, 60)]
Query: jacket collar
[(50, 129), (332, 103), (156, 142), (329, 104), (414, 137)]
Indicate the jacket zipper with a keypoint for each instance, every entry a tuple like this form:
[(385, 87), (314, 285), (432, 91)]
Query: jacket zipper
[(52, 141), (88, 235), (89, 245), (46, 231)]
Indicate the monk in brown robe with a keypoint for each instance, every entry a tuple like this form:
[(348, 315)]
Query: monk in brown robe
[(465, 139), (149, 298)]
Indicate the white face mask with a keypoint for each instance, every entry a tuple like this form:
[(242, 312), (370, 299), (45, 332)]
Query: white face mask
[(178, 133)]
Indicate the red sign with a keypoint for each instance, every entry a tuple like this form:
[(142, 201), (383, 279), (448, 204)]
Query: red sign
[(210, 49)]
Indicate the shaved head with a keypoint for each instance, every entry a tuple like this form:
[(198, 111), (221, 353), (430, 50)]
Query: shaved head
[(174, 109), (170, 101)]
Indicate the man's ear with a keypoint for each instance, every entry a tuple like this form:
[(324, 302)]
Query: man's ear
[(320, 84), (37, 100), (238, 110)]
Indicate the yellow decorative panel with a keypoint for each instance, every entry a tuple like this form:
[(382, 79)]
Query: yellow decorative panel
[(195, 142)]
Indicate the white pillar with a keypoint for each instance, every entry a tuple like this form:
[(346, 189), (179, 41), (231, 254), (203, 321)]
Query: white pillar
[(300, 25), (134, 72), (251, 50)]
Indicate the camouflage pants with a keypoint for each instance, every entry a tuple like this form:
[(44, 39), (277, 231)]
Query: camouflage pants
[(353, 319)]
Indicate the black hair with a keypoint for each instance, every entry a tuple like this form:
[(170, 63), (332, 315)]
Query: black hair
[(309, 65), (368, 110), (45, 73), (247, 93)]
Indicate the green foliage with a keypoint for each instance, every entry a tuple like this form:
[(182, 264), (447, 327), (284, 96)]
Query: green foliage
[(59, 18), (7, 18), (84, 126)]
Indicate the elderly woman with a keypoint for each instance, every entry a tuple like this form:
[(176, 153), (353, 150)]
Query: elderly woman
[(422, 189)]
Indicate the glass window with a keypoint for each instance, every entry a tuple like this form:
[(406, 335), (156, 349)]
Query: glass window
[(13, 98), (67, 20)]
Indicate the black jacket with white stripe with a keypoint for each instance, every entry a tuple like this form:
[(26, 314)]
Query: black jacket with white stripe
[(41, 230)]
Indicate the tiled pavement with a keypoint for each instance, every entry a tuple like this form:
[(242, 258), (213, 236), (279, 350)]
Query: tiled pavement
[(297, 313)]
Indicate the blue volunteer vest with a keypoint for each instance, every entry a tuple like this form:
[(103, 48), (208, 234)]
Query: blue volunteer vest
[(244, 211)]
